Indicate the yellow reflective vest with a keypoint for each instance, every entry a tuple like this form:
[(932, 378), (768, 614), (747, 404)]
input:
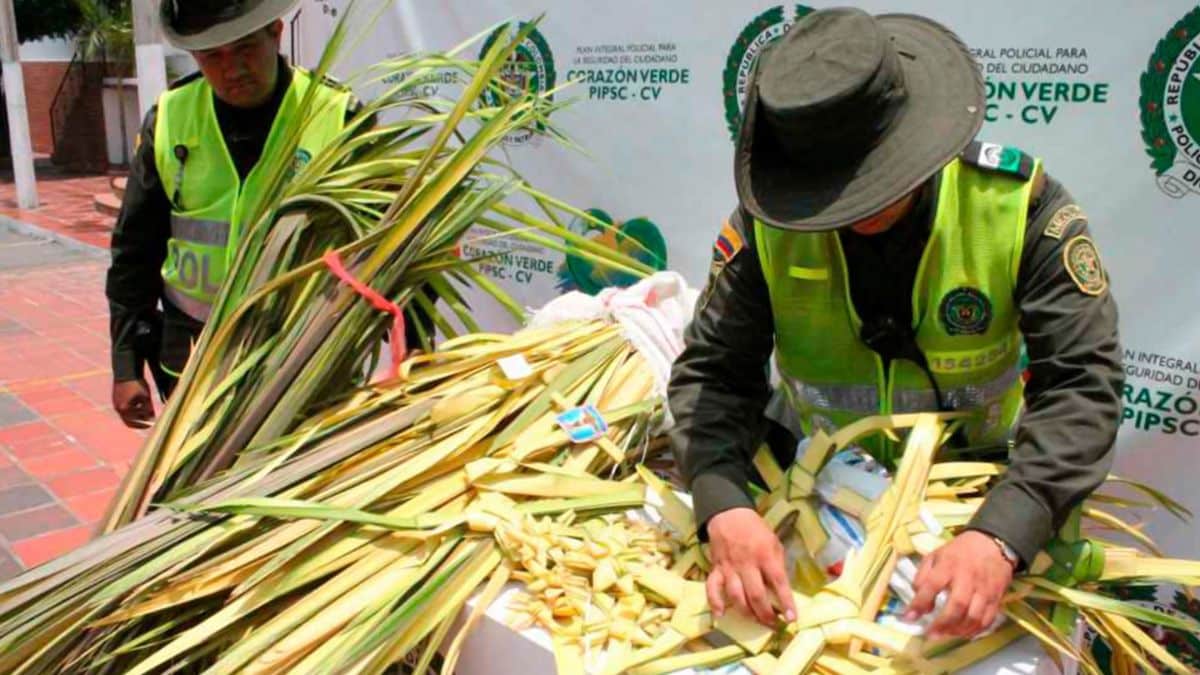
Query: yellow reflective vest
[(202, 182), (964, 316)]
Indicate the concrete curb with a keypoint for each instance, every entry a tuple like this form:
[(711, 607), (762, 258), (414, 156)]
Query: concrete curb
[(49, 235)]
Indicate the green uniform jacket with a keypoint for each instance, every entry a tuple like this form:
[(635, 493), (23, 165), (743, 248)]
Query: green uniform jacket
[(1063, 443)]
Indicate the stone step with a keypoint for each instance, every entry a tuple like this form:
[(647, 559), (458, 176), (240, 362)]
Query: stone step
[(107, 203), (118, 184)]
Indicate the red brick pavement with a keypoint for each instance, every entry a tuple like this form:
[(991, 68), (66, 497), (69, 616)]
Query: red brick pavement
[(61, 462), (66, 206)]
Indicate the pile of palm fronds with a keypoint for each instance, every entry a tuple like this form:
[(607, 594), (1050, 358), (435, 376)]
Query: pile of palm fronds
[(350, 544), (391, 202), (927, 502), (357, 539)]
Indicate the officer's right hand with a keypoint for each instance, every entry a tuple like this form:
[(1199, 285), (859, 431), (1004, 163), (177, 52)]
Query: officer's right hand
[(748, 567), (131, 400)]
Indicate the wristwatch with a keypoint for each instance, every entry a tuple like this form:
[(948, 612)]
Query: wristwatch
[(1007, 551)]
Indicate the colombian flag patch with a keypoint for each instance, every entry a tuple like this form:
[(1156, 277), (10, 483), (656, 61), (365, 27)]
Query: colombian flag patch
[(729, 243)]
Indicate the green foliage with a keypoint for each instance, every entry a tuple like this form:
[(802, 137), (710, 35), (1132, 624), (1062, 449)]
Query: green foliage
[(37, 19), (105, 32)]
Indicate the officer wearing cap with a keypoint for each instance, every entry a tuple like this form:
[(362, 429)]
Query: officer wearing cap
[(894, 264), (196, 167)]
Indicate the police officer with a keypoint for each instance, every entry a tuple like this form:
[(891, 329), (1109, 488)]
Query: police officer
[(196, 169), (894, 264)]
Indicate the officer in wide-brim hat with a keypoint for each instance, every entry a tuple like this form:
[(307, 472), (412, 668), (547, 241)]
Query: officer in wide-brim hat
[(196, 167), (196, 25), (893, 263), (879, 106)]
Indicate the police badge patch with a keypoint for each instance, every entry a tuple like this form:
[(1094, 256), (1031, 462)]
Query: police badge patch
[(1082, 261), (1062, 219), (966, 311)]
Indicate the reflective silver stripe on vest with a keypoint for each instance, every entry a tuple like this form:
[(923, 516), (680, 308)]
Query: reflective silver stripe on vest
[(864, 399), (197, 309), (968, 397), (859, 398), (206, 232)]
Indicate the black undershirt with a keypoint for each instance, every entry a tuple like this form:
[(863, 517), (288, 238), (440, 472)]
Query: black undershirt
[(882, 268), (246, 130)]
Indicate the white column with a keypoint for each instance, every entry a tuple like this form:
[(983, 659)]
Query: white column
[(150, 56), (18, 116)]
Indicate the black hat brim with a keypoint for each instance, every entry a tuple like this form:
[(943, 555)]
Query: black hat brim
[(941, 116), (261, 16)]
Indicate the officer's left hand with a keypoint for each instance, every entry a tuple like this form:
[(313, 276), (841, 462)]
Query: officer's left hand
[(976, 576)]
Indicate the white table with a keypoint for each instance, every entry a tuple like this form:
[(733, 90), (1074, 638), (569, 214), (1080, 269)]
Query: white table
[(495, 649)]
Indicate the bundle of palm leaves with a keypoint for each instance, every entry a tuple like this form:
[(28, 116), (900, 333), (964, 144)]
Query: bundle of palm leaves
[(357, 540), (385, 206), (350, 542)]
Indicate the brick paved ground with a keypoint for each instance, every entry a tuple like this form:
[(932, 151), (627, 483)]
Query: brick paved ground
[(66, 206), (62, 450)]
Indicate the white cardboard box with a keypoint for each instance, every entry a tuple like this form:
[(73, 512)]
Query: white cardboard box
[(495, 649)]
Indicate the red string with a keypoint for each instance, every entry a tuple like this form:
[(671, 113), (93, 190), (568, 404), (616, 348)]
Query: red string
[(334, 262)]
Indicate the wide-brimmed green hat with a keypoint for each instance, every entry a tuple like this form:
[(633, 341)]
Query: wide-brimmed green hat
[(194, 25), (849, 112)]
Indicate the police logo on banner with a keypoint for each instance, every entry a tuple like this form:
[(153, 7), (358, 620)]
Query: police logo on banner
[(1170, 108), (966, 311), (639, 238), (529, 68), (756, 36), (1181, 644)]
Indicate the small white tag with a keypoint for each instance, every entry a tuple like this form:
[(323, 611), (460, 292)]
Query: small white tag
[(515, 367), (990, 155), (931, 523)]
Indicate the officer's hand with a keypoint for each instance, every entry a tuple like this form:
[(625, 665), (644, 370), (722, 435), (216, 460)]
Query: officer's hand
[(747, 560), (131, 400), (976, 575)]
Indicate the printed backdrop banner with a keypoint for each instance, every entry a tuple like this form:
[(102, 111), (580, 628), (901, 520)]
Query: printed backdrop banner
[(1105, 91)]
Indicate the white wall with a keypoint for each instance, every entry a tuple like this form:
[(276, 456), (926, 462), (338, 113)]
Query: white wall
[(50, 49), (115, 135)]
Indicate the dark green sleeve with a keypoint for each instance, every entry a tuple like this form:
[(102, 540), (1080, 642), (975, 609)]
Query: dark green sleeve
[(1064, 441), (719, 384), (139, 247)]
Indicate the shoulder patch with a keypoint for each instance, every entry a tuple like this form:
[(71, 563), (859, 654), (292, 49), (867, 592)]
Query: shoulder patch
[(185, 80), (325, 79), (1003, 159), (334, 83), (729, 244), (1082, 261), (1062, 219)]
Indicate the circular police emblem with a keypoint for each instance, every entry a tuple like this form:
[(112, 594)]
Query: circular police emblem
[(1180, 644), (756, 36), (1170, 108), (966, 311), (530, 68), (1082, 261), (638, 238), (299, 161)]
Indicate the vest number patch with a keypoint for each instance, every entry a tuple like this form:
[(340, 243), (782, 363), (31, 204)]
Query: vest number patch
[(958, 362)]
